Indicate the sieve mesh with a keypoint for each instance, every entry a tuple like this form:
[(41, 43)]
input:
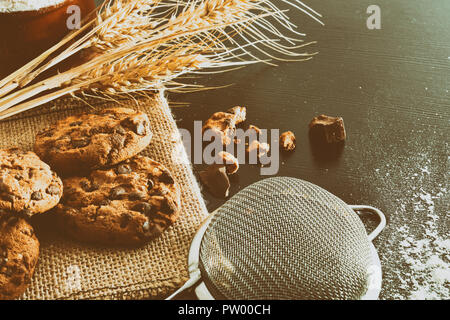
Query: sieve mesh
[(284, 238)]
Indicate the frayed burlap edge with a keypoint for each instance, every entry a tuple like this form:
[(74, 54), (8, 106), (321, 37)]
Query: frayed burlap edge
[(71, 270)]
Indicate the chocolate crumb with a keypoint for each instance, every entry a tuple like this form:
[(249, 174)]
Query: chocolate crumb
[(80, 143), (327, 129), (287, 141), (215, 179), (37, 195), (166, 178), (144, 207), (256, 146), (117, 193), (230, 161), (136, 196), (123, 169), (52, 189), (254, 128)]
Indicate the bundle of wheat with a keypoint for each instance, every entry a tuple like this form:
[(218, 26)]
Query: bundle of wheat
[(140, 45)]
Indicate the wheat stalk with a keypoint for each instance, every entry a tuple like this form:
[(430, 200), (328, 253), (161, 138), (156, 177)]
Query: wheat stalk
[(139, 45)]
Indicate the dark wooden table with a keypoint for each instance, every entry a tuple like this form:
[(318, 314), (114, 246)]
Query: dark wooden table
[(391, 86)]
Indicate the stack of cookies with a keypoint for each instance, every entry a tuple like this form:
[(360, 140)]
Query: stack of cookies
[(112, 195)]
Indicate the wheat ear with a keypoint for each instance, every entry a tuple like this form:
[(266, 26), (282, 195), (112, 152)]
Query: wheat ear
[(139, 45)]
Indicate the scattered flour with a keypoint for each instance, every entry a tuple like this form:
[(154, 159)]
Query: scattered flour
[(26, 5), (424, 255)]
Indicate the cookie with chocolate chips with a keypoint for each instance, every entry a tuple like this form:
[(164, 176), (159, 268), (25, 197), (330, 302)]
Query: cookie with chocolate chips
[(91, 141), (27, 185), (19, 253), (127, 204)]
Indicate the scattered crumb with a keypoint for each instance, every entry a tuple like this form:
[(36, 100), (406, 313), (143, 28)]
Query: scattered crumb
[(287, 141), (224, 123), (261, 148), (230, 161), (255, 128), (215, 179), (327, 129)]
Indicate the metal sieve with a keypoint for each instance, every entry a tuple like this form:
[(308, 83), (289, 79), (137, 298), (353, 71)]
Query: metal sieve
[(285, 238)]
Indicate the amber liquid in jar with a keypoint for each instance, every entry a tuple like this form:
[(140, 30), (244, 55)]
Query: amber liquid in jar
[(29, 27)]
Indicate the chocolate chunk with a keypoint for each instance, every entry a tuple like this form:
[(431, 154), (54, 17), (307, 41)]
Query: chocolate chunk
[(254, 128), (120, 130), (117, 193), (150, 184), (7, 272), (47, 133), (93, 131), (125, 220), (105, 202), (17, 281), (256, 146), (215, 179), (327, 129), (145, 208), (76, 123), (287, 141), (112, 116), (65, 137), (230, 161), (223, 124), (136, 196), (8, 197), (80, 143), (168, 207), (53, 189), (227, 122), (123, 169), (162, 191), (12, 220), (156, 230), (117, 140), (16, 150), (31, 173), (136, 125), (239, 112), (165, 177), (27, 213), (88, 186), (37, 195)]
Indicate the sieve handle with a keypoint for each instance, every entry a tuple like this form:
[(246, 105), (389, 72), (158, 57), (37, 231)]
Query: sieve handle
[(380, 214)]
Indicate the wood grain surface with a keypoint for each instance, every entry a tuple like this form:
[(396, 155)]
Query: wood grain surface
[(391, 86)]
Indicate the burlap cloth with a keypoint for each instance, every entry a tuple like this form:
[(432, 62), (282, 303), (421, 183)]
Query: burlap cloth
[(70, 270)]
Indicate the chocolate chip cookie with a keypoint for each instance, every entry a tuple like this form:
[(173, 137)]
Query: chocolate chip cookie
[(127, 204), (19, 253), (27, 185), (91, 141)]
